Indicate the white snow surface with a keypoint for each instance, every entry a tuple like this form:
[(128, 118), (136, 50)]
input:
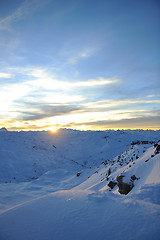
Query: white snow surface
[(54, 186)]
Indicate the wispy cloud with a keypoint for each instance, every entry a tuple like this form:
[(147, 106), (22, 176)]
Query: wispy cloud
[(39, 80), (21, 12), (5, 75), (45, 111), (75, 57), (61, 98), (47, 81), (106, 104), (144, 122), (42, 95), (74, 51), (42, 99)]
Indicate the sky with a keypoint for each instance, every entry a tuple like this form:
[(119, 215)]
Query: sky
[(82, 64)]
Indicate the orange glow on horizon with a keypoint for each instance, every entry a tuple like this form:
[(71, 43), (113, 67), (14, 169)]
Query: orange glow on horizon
[(54, 129)]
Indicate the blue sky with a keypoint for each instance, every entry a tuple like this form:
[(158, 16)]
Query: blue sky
[(80, 64)]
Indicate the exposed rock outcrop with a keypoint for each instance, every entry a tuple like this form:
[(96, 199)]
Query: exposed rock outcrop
[(112, 184), (157, 147), (124, 188)]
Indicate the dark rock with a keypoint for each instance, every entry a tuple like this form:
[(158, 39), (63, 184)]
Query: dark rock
[(157, 149), (105, 162), (133, 177), (109, 171), (144, 142), (105, 137), (135, 143), (124, 188), (78, 174), (112, 184), (34, 178), (119, 178)]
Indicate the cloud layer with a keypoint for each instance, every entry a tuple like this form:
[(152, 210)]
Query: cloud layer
[(43, 100)]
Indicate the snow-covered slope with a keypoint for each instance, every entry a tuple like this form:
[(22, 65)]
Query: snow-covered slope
[(25, 156), (139, 172), (80, 185)]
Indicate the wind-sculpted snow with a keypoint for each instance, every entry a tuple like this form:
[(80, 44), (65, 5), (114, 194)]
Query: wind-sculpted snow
[(80, 215), (71, 185)]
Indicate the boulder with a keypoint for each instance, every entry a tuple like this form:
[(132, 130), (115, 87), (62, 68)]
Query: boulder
[(124, 188), (157, 149), (112, 184)]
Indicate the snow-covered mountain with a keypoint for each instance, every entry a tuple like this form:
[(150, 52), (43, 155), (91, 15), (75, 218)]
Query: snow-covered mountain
[(80, 185), (25, 156)]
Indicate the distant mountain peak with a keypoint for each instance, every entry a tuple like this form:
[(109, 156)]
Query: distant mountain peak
[(3, 129)]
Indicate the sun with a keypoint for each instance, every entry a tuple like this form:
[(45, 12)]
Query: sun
[(54, 129)]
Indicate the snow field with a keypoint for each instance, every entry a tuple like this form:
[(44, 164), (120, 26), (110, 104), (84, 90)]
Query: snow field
[(55, 186)]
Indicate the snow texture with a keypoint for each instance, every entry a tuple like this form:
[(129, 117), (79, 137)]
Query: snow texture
[(56, 185)]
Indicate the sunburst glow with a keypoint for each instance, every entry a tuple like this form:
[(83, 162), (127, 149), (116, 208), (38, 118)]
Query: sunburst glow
[(54, 129)]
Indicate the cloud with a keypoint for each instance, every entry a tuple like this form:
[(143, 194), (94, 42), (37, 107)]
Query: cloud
[(22, 11), (62, 98), (147, 122), (77, 49), (49, 82), (43, 100), (38, 85), (75, 57), (45, 111), (5, 75), (117, 104)]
